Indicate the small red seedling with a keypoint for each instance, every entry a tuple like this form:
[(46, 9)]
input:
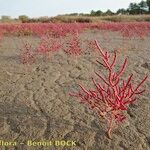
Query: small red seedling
[(111, 97)]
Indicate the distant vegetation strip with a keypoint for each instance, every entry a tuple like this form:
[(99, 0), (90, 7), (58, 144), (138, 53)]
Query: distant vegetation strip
[(82, 19), (127, 29)]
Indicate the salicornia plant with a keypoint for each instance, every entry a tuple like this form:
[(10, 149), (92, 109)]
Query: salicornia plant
[(112, 95)]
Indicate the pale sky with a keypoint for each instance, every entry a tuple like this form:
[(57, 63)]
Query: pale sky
[(36, 8)]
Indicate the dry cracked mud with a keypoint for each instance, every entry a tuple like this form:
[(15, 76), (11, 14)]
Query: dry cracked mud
[(35, 102)]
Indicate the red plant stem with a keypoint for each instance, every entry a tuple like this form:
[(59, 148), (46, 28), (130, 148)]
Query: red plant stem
[(138, 86), (99, 48), (122, 68), (110, 126)]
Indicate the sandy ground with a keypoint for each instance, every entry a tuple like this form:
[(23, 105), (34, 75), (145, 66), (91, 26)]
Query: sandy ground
[(35, 102)]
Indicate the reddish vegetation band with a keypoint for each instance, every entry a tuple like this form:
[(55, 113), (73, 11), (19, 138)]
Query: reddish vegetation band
[(61, 29)]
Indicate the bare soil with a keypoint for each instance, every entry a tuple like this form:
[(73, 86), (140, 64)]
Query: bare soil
[(35, 102)]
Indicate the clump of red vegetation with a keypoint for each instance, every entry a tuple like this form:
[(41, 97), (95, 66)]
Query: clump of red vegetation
[(73, 45), (27, 55), (110, 97), (48, 45)]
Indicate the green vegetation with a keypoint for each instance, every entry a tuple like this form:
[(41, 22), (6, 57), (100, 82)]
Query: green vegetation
[(134, 9), (23, 18)]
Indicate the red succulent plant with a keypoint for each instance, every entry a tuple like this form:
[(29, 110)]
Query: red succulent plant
[(73, 45), (48, 45), (27, 55), (110, 97)]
